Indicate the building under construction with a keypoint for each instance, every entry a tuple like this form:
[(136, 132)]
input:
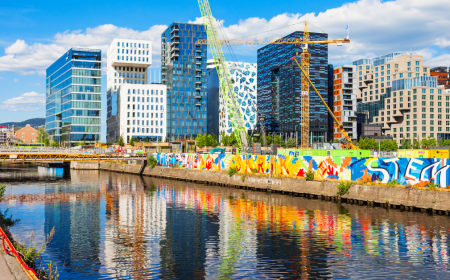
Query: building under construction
[(279, 88)]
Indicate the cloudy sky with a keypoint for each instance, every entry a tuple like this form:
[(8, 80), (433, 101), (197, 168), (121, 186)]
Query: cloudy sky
[(33, 36)]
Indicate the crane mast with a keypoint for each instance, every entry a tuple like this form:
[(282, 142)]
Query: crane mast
[(304, 107), (223, 74)]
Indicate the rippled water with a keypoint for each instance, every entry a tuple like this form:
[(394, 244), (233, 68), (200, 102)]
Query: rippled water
[(112, 225)]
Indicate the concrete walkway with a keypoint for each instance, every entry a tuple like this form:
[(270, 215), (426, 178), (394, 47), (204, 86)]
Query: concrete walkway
[(10, 268)]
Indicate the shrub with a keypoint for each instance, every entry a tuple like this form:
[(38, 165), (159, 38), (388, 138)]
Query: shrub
[(232, 171), (309, 176), (255, 170), (242, 177), (432, 186), (344, 187), (392, 183), (152, 161)]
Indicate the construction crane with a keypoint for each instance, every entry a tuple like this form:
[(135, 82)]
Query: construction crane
[(304, 42), (347, 143), (224, 75)]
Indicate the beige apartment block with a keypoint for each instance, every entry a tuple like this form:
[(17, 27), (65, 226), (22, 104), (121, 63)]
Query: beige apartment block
[(400, 95)]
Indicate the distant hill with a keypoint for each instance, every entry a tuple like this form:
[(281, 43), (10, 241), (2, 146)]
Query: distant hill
[(33, 122)]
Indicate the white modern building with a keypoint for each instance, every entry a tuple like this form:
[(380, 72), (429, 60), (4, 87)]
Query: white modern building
[(243, 76), (135, 108)]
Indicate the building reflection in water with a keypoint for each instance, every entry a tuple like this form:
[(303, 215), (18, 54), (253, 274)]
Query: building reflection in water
[(125, 226)]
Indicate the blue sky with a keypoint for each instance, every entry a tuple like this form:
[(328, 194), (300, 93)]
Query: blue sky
[(33, 35)]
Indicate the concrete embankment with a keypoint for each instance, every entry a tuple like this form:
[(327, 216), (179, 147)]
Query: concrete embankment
[(85, 165), (405, 198)]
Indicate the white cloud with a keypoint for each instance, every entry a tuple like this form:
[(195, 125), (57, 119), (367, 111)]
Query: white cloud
[(29, 101), (30, 59), (376, 28), (16, 80), (36, 84), (2, 78)]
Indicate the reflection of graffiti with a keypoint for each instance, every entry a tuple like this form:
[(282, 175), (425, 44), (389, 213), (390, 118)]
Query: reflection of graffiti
[(414, 171)]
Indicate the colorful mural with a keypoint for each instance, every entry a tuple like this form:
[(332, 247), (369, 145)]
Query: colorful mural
[(414, 171)]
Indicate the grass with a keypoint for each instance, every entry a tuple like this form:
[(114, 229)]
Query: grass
[(232, 171), (344, 187), (392, 183), (309, 176), (432, 186), (152, 161), (32, 256), (242, 177), (254, 170)]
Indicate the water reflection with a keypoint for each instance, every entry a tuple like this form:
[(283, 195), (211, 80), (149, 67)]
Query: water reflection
[(111, 225)]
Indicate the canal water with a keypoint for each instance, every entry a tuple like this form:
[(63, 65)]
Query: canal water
[(120, 226)]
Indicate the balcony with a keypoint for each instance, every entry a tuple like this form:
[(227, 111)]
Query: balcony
[(198, 61), (198, 104), (174, 42), (174, 54), (175, 35), (198, 97), (174, 48), (175, 28), (198, 73)]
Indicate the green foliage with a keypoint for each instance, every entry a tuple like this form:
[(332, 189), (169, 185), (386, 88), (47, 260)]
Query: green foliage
[(131, 141), (277, 140), (200, 141), (242, 177), (269, 139), (43, 136), (82, 143), (343, 187), (432, 186), (228, 140), (232, 171), (211, 140), (55, 144), (309, 175), (146, 140), (428, 142), (32, 255), (120, 142), (445, 143), (152, 161), (255, 170), (291, 143), (392, 183), (5, 219), (416, 144), (406, 144)]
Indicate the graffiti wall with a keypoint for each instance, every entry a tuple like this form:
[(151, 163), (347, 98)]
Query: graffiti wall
[(414, 171)]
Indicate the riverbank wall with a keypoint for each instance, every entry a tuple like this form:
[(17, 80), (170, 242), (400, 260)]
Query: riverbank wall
[(402, 197), (85, 165)]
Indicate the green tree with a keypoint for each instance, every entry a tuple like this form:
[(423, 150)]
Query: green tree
[(392, 145), (120, 142), (131, 141), (55, 144), (82, 143), (278, 140), (200, 141), (46, 142), (42, 135), (291, 143), (146, 140), (269, 139), (224, 139), (446, 143), (406, 144), (372, 144), (416, 144)]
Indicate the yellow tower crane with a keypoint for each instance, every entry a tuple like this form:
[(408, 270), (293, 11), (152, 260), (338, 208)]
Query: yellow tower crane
[(304, 42)]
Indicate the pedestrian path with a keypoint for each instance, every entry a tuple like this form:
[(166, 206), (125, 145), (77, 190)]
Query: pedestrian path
[(10, 269)]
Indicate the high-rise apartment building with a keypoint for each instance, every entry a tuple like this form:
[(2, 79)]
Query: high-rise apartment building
[(344, 100), (183, 70), (279, 88), (398, 93), (73, 97), (244, 79), (135, 108), (443, 76)]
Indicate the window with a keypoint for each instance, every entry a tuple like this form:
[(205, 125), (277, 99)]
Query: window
[(401, 75), (409, 63), (424, 90)]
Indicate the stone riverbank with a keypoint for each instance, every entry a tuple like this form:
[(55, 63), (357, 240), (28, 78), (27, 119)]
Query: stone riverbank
[(406, 198)]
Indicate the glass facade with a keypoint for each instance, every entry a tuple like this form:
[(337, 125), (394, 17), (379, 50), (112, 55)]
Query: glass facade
[(183, 70), (279, 87), (73, 97)]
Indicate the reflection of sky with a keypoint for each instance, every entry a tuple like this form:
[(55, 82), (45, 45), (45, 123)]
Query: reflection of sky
[(132, 232)]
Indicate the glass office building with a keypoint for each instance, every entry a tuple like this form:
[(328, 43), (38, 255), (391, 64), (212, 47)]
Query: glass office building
[(279, 88), (183, 70), (73, 97)]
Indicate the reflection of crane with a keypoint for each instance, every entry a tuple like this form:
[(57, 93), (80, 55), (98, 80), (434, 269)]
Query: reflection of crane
[(223, 74), (305, 41), (348, 142)]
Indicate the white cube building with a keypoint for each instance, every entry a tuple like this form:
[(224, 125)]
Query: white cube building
[(135, 108)]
